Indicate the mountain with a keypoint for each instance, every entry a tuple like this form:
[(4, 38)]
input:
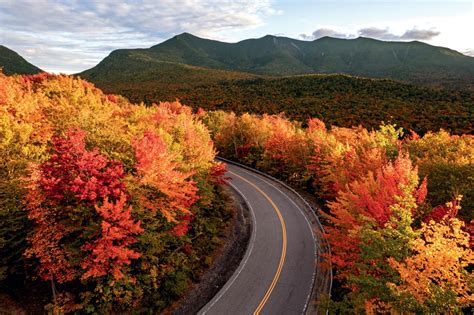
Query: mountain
[(13, 63), (412, 62), (263, 75)]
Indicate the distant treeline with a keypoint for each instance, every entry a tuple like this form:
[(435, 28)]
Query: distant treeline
[(340, 100)]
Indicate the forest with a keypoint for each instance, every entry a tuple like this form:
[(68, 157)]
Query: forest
[(105, 206), (339, 100), (108, 206), (397, 208)]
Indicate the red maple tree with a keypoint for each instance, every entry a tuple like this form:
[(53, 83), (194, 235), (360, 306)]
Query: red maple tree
[(65, 195), (110, 252)]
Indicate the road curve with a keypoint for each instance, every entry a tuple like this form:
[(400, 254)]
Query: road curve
[(276, 274)]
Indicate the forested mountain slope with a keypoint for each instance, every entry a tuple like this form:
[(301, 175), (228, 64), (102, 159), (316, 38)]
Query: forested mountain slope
[(13, 63), (413, 62)]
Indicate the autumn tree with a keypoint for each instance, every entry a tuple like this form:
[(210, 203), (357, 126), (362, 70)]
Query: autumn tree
[(110, 250), (286, 151), (448, 162), (436, 277), (369, 200), (369, 292), (159, 172), (24, 135), (76, 201), (343, 155)]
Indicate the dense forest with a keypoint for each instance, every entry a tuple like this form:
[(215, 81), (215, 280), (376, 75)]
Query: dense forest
[(105, 206), (108, 206), (340, 100), (398, 211)]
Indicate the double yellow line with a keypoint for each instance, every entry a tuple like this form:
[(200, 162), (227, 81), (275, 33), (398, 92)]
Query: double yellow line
[(283, 246)]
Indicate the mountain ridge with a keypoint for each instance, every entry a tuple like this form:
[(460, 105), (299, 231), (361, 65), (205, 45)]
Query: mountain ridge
[(412, 62), (13, 63)]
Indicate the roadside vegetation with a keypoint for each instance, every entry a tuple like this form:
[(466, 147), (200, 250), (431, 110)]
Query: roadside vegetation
[(398, 208), (105, 206)]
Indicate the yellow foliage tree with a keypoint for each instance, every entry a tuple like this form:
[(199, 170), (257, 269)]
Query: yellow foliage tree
[(437, 275)]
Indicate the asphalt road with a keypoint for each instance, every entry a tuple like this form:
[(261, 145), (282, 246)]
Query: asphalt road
[(276, 273)]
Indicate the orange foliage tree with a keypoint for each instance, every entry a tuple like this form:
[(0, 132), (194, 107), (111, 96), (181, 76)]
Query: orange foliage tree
[(158, 170), (369, 200), (110, 251), (435, 278)]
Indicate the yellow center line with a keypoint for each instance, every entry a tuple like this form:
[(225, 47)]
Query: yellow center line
[(283, 246)]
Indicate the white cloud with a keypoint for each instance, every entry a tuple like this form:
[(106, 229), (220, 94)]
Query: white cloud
[(73, 35), (378, 33), (420, 34), (468, 52), (322, 32), (375, 32)]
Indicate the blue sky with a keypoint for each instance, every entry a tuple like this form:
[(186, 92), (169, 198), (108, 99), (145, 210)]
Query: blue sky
[(73, 35)]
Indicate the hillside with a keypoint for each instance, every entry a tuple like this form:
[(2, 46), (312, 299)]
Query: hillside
[(344, 101), (13, 63), (412, 62), (134, 72), (340, 99)]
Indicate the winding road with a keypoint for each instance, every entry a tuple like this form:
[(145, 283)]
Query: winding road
[(277, 272)]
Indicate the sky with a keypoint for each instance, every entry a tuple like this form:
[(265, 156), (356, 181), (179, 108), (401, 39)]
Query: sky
[(70, 36)]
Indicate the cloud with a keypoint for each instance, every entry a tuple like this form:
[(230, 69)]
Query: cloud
[(375, 32), (412, 34), (322, 32), (468, 52), (418, 34), (378, 33), (72, 35)]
